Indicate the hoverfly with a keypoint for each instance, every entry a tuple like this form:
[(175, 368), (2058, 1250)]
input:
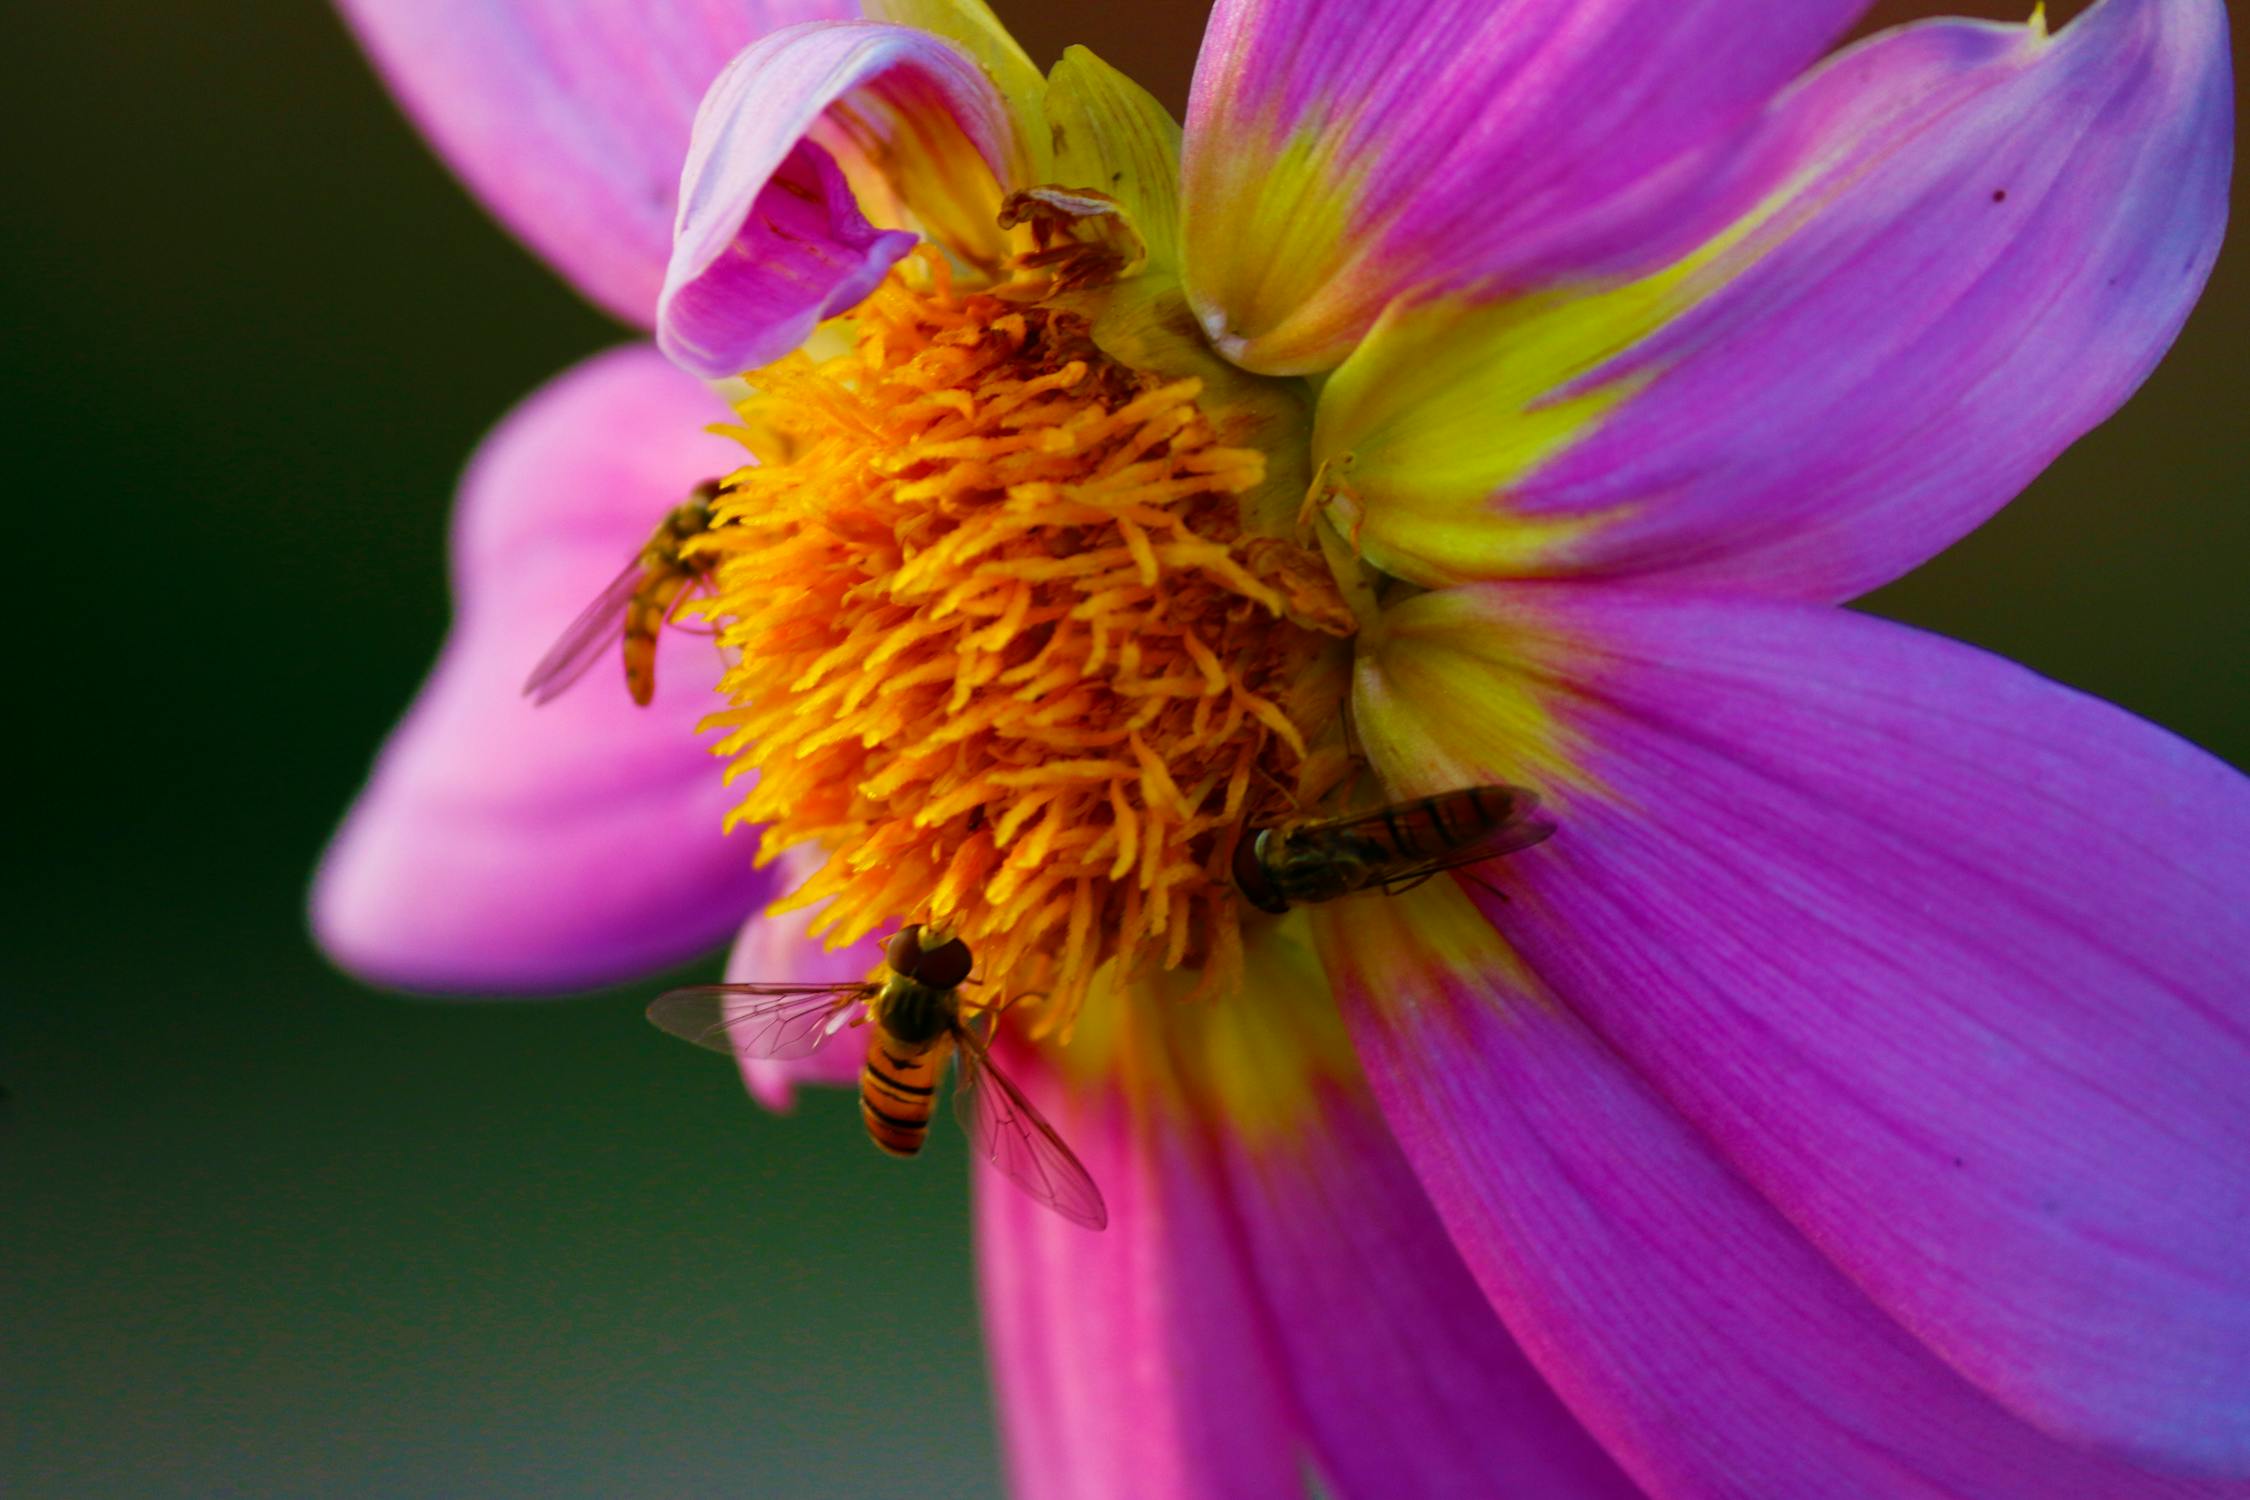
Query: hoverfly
[(638, 602), (1388, 848), (913, 1019)]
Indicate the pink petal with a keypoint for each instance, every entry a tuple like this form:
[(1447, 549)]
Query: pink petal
[(1130, 1363), (778, 950), (1408, 1383), (770, 239), (1948, 963), (1273, 1281), (570, 121), (502, 846), (1972, 246), (1703, 1339), (1341, 152)]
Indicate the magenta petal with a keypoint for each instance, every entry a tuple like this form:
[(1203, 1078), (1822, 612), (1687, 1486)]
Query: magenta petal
[(1992, 242), (505, 847), (778, 950), (571, 120), (1950, 964), (1408, 1383), (1130, 1363), (1340, 153), (1703, 1339), (770, 239)]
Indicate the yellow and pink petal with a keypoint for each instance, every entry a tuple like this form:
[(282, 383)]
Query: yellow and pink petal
[(1244, 1161), (570, 121), (1341, 153), (502, 846), (1942, 963), (1973, 243), (1253, 1309), (1696, 1331)]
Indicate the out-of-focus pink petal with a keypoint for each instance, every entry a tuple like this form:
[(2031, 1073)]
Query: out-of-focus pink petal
[(1342, 152), (1408, 1383), (1130, 1362), (1691, 1327), (778, 950), (770, 238), (571, 120), (505, 847), (1972, 244), (1949, 963)]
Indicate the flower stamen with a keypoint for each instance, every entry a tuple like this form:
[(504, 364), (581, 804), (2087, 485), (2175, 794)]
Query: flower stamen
[(1002, 646)]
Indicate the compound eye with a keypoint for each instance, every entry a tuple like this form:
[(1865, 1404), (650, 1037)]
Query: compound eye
[(1250, 876), (905, 950), (946, 965)]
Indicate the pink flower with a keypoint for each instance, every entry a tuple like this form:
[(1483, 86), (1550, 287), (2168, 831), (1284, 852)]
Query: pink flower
[(1851, 1098)]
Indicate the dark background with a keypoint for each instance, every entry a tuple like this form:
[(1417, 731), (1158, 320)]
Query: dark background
[(263, 1232)]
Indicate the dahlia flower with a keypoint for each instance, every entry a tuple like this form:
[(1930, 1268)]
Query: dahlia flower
[(1851, 1097)]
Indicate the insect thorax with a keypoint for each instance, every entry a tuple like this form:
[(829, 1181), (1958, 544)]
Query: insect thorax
[(1307, 873), (914, 1013)]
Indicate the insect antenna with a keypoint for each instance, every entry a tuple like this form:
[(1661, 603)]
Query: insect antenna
[(1280, 786)]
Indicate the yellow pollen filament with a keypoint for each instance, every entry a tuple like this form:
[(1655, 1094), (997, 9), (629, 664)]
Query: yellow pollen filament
[(1001, 648)]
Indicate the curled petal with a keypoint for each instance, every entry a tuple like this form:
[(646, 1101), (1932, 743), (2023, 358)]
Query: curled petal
[(1685, 1321), (779, 950), (1131, 1362), (971, 26), (1972, 244), (771, 238), (570, 121), (500, 846), (1950, 964), (1343, 152)]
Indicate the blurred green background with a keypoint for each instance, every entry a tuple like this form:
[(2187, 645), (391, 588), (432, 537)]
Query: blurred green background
[(263, 1232)]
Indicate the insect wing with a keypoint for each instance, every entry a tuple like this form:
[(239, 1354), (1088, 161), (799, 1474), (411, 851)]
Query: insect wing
[(778, 1021), (1522, 828), (1017, 1139), (598, 628), (1517, 824)]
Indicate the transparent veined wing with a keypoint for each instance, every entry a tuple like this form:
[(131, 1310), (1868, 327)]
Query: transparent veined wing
[(1408, 842), (1005, 1130), (599, 627), (1507, 839), (1517, 823), (778, 1021)]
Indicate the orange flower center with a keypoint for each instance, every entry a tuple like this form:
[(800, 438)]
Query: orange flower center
[(1003, 649)]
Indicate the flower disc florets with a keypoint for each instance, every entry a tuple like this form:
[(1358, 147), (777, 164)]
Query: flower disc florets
[(1002, 647)]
